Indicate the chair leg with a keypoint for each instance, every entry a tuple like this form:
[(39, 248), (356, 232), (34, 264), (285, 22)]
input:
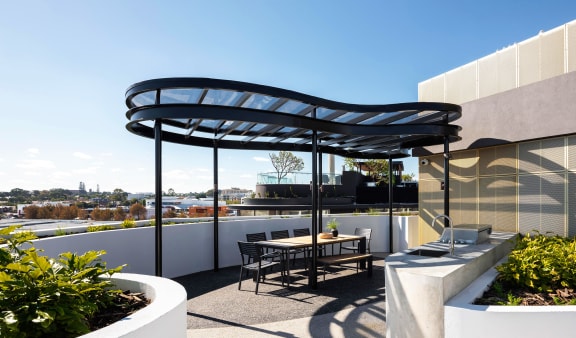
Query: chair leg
[(257, 281), (240, 280)]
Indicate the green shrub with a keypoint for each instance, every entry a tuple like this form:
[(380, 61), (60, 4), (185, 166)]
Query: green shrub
[(541, 263), (94, 228), (128, 223), (45, 297), (59, 232)]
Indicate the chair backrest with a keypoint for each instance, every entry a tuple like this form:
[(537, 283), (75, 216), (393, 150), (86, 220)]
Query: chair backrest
[(279, 234), (366, 232), (255, 237), (301, 232), (249, 249)]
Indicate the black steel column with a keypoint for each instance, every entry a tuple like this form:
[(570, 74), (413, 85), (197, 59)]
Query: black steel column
[(390, 202), (312, 272), (158, 199), (446, 178), (320, 191), (215, 195)]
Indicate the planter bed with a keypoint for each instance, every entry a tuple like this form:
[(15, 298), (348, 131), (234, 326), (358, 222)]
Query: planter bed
[(164, 317), (464, 319)]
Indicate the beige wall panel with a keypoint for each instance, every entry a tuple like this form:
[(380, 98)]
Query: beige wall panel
[(487, 161), (571, 204), (486, 201), (528, 61), (455, 200), (552, 199), (461, 84), (506, 162), (431, 204), (529, 157), (464, 163), (552, 154), (571, 46), (506, 204), (552, 53), (507, 68), (434, 170), (571, 160), (488, 75), (468, 201), (432, 90), (528, 203)]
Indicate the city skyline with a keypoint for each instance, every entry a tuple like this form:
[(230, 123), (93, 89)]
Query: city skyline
[(65, 67)]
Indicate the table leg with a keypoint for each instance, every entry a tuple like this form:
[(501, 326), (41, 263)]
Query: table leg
[(287, 266), (362, 250)]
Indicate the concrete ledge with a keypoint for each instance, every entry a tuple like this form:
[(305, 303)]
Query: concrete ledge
[(164, 317), (464, 319), (418, 287)]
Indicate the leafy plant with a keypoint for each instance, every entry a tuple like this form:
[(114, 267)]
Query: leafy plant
[(332, 224), (94, 228), (45, 297), (541, 263), (128, 223), (59, 232)]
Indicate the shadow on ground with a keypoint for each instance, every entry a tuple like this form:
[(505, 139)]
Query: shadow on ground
[(215, 301)]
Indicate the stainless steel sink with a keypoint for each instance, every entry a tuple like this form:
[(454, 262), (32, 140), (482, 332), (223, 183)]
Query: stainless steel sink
[(427, 253)]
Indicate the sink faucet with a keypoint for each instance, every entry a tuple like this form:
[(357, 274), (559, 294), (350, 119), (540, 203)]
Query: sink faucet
[(451, 231)]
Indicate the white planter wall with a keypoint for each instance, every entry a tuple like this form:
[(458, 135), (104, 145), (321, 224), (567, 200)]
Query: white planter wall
[(464, 319), (188, 247), (165, 316)]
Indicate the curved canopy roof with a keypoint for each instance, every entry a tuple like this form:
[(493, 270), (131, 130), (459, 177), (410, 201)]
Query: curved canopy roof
[(239, 115)]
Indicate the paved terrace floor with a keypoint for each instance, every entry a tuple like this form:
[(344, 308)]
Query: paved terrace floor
[(347, 304)]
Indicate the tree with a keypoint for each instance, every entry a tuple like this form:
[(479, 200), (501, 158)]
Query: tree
[(285, 162), (408, 177), (118, 196), (377, 169), (138, 211)]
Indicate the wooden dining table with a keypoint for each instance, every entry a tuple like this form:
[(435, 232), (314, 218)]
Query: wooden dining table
[(284, 245)]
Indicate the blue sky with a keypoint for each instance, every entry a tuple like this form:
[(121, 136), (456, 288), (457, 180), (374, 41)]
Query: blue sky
[(65, 67)]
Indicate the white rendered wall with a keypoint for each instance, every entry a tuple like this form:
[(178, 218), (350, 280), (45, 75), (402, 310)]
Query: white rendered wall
[(165, 316), (463, 319), (188, 248)]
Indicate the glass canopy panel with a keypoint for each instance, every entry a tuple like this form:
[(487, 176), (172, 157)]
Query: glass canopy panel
[(346, 117), (144, 99), (221, 97), (259, 101), (244, 126), (258, 127), (321, 113), (378, 118), (292, 107), (405, 120), (209, 123), (180, 95)]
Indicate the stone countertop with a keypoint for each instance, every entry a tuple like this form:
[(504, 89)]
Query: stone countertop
[(444, 265)]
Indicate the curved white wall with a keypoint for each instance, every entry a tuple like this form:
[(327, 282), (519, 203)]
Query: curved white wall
[(164, 317), (188, 247), (463, 319)]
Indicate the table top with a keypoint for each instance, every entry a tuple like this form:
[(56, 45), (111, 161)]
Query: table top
[(306, 241)]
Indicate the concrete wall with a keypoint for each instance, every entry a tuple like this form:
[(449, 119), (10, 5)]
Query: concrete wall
[(464, 319), (188, 247)]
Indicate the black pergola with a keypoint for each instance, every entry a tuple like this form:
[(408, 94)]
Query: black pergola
[(224, 114)]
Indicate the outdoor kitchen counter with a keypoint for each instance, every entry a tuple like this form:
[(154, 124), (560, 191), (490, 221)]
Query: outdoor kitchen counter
[(417, 287)]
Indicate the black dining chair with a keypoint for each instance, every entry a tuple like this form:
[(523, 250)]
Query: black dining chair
[(366, 232), (260, 262), (279, 234), (261, 236), (306, 232)]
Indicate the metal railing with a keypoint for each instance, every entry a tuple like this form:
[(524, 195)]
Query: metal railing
[(297, 178)]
